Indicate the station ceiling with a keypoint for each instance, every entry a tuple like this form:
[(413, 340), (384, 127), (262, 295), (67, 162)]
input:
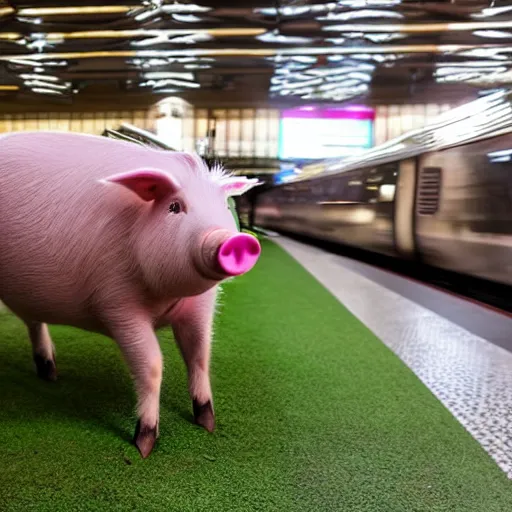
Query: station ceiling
[(286, 51)]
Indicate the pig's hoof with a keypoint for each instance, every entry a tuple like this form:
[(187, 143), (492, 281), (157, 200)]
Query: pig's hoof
[(145, 438), (203, 415), (46, 368)]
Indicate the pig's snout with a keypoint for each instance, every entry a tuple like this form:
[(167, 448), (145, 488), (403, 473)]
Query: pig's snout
[(225, 254), (238, 254)]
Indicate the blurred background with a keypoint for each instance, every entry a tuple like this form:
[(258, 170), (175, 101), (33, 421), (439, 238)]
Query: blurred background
[(249, 82)]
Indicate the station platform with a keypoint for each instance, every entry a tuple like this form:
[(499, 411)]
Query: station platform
[(337, 386)]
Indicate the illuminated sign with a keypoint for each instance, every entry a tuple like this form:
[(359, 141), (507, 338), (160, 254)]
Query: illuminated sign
[(311, 133)]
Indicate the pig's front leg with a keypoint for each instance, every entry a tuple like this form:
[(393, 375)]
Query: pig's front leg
[(192, 327), (139, 346)]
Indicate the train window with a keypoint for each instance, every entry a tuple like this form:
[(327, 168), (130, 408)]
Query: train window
[(387, 193), (387, 183), (429, 187)]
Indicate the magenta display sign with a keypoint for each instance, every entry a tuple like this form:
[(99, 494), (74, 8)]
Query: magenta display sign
[(316, 133), (351, 112)]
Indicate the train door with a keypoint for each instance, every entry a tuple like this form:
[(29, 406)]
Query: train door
[(404, 209)]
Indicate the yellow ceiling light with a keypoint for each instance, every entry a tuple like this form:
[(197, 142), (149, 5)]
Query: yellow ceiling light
[(228, 32), (66, 11), (128, 34), (9, 88), (5, 11), (256, 52), (10, 36)]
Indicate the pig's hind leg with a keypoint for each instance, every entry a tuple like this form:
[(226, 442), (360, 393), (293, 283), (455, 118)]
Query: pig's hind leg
[(43, 350), (192, 327)]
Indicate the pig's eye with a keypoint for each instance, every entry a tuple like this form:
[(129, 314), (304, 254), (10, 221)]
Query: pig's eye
[(175, 207)]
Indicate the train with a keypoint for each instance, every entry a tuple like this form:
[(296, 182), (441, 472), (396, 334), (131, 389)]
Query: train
[(441, 195)]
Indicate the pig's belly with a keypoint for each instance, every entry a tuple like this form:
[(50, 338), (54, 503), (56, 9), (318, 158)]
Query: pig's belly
[(66, 305), (50, 311), (44, 297)]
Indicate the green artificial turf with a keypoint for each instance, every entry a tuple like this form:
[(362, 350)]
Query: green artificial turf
[(314, 414)]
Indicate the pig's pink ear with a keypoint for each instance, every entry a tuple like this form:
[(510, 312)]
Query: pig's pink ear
[(149, 184), (238, 185)]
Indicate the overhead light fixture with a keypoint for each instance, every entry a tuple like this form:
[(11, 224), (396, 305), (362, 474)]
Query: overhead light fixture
[(10, 36), (369, 3), (166, 91), (197, 66), (493, 52), (271, 37), (66, 11), (168, 74), (363, 13), (191, 38), (494, 34), (419, 28), (170, 81), (50, 78), (42, 90), (475, 64), (52, 86), (33, 21), (174, 8), (9, 87), (6, 11), (492, 11), (130, 34), (178, 8), (187, 18), (277, 53)]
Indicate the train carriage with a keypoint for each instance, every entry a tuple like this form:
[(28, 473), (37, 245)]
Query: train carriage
[(441, 194)]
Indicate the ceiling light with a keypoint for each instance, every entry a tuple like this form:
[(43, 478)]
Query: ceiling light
[(271, 37), (6, 11), (174, 8), (495, 34), (369, 3), (315, 81), (40, 83), (197, 66), (34, 21), (278, 53), (177, 8), (167, 91), (190, 38), (42, 90), (187, 18), (65, 11), (418, 28), (383, 38), (296, 10), (165, 74), (492, 11), (175, 82), (477, 64), (8, 87), (39, 77), (10, 36), (364, 13), (157, 34), (493, 53)]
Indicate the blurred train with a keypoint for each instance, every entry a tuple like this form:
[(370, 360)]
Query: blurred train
[(441, 194)]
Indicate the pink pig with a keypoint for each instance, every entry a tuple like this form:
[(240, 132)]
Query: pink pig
[(119, 239)]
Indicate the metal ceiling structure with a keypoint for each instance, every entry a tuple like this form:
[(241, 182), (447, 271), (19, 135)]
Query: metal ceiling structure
[(282, 50)]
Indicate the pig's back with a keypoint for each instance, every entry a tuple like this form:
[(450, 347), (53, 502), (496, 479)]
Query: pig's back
[(62, 232)]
